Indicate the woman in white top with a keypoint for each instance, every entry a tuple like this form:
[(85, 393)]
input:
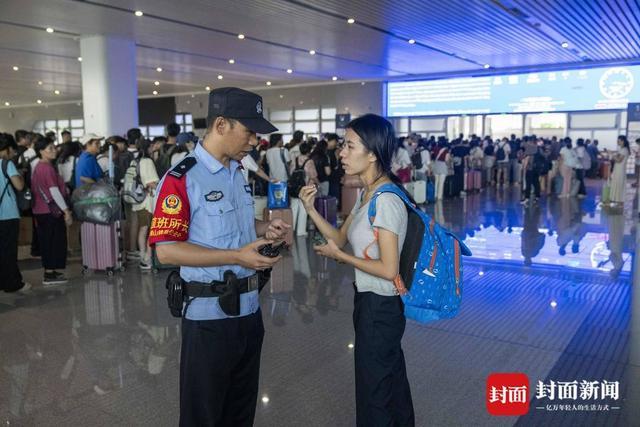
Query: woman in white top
[(568, 163), (619, 174), (441, 168), (401, 163), (144, 210), (383, 396), (67, 162), (294, 146)]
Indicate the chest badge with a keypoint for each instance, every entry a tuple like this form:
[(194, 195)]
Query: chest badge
[(214, 196), (247, 188)]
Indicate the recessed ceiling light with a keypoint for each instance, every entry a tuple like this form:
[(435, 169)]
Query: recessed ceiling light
[(159, 69), (362, 83), (312, 52), (265, 399), (350, 345), (155, 92), (7, 103), (241, 36), (49, 30), (39, 83), (220, 77), (57, 92), (334, 78), (281, 96), (207, 88), (351, 21), (289, 70), (156, 83), (138, 13), (39, 101), (15, 68), (565, 45), (487, 66), (232, 61), (80, 58), (268, 83), (412, 41)]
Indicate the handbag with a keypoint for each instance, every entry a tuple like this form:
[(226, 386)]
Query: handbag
[(54, 210)]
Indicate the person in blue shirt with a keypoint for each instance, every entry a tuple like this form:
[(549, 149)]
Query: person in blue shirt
[(87, 169), (204, 222), (10, 179)]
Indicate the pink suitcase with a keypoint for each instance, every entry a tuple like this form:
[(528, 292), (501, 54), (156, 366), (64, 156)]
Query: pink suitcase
[(101, 246), (284, 214), (477, 180)]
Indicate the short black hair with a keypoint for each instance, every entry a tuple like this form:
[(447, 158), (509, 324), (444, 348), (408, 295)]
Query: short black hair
[(305, 148), (132, 135), (173, 129), (41, 142), (7, 141), (21, 133), (331, 136), (274, 139)]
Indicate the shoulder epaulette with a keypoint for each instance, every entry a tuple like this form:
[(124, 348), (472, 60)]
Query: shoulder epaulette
[(183, 167)]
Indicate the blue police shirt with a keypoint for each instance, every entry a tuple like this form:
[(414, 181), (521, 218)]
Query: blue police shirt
[(88, 167), (209, 206)]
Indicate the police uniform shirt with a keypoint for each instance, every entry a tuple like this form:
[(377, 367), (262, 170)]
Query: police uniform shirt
[(210, 206)]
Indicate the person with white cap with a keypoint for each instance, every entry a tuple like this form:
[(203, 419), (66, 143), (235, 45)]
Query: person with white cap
[(88, 170)]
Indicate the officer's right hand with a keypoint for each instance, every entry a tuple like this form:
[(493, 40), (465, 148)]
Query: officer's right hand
[(249, 257), (307, 196)]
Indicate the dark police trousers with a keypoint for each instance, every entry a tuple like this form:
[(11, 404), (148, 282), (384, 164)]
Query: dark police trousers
[(219, 371), (383, 396)]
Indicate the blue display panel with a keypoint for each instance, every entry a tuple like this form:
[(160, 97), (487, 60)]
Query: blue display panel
[(603, 88)]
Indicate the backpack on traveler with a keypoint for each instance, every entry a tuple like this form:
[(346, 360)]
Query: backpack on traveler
[(23, 198), (416, 158), (122, 163), (430, 274), (297, 178), (132, 189), (538, 163), (500, 154), (163, 164)]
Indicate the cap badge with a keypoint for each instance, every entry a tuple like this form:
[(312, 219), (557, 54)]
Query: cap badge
[(259, 107)]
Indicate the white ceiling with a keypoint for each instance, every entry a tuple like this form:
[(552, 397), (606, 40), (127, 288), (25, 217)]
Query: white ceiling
[(192, 40)]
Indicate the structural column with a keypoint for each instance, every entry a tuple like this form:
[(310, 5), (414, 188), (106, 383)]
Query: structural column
[(109, 86)]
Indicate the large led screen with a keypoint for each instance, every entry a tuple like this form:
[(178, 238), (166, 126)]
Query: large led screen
[(603, 88)]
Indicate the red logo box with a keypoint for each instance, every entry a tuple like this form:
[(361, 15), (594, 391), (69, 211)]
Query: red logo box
[(508, 394)]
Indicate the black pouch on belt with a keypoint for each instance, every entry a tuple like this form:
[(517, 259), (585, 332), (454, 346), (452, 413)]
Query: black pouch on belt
[(230, 301), (175, 293), (263, 278)]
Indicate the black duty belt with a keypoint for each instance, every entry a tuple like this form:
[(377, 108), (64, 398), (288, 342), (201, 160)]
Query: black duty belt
[(216, 289)]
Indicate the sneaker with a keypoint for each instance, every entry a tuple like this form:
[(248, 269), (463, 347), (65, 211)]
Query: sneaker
[(133, 255), (54, 278), (144, 265), (26, 287)]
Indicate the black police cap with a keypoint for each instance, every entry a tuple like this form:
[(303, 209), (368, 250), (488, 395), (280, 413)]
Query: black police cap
[(241, 105)]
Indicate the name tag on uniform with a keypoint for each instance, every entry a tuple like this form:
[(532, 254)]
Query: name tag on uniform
[(214, 196)]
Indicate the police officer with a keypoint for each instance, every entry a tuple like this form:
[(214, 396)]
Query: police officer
[(204, 222)]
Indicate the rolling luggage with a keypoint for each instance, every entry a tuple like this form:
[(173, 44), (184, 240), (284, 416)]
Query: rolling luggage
[(327, 207), (284, 214), (101, 247), (418, 191), (605, 169)]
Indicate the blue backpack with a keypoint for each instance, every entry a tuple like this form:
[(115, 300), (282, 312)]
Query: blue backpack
[(430, 279)]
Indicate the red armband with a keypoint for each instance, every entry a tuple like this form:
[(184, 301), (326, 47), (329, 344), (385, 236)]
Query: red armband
[(172, 212)]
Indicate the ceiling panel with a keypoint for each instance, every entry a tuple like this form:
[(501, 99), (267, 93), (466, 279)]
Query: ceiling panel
[(192, 40)]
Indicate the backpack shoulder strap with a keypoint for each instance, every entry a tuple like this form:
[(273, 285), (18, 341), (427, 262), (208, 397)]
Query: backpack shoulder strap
[(386, 188)]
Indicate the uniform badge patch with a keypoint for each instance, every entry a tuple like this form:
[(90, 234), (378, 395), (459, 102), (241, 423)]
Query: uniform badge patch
[(172, 205), (214, 196), (247, 188)]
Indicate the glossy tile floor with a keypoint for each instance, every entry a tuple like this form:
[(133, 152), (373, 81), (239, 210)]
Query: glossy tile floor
[(547, 293)]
